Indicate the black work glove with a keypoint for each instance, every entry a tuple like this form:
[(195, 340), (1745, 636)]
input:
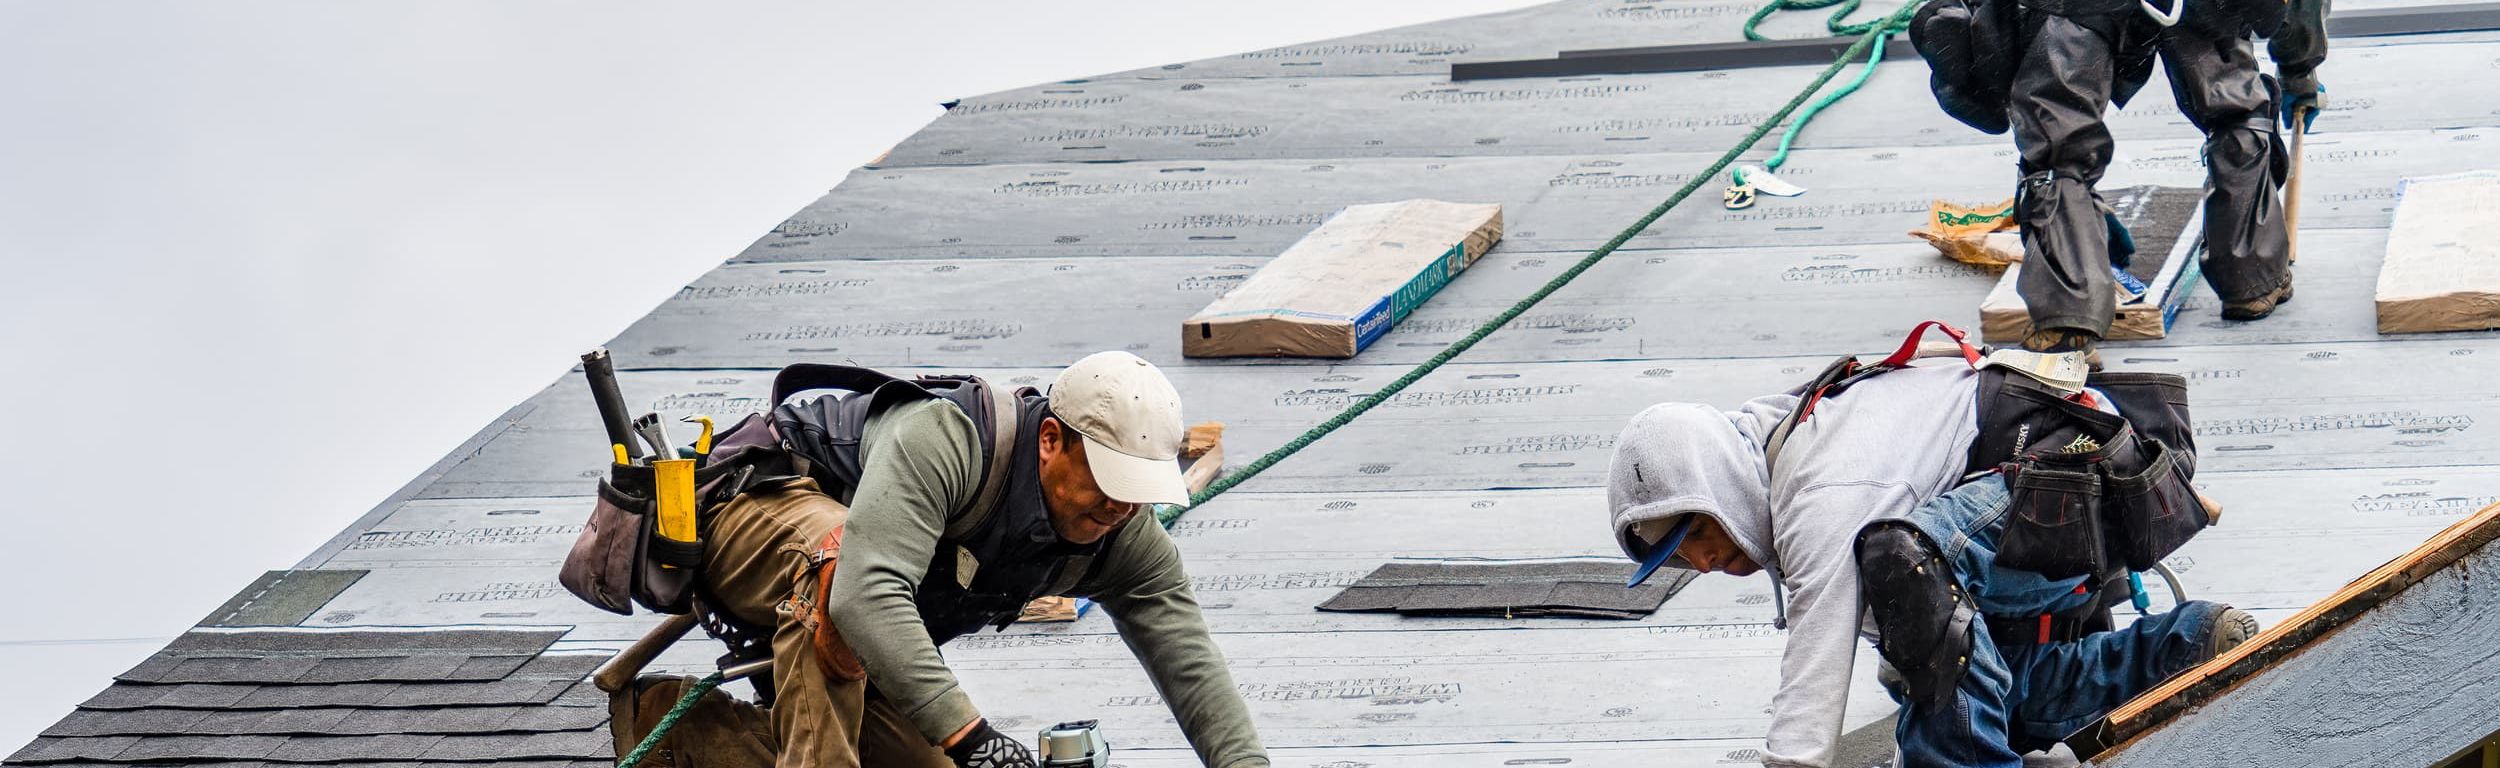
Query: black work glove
[(985, 747)]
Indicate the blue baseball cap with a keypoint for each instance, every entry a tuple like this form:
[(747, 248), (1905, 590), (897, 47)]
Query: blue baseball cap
[(1665, 550)]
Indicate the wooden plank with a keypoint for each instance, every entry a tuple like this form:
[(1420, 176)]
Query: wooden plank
[(2442, 269)]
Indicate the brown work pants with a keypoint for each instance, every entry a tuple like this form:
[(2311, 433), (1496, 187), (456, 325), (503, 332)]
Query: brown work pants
[(757, 563)]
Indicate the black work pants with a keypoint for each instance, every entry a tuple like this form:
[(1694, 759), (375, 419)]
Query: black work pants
[(2062, 87)]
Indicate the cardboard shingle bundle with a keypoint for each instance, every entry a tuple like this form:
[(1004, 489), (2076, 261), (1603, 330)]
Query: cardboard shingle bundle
[(1345, 284), (2164, 222)]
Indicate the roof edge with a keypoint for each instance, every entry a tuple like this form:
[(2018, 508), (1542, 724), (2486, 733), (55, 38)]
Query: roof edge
[(2123, 727)]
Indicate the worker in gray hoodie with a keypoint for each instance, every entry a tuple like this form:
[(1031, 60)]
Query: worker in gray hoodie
[(1690, 487)]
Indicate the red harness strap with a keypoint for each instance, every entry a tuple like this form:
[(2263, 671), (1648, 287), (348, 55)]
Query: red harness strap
[(1909, 346), (1851, 372)]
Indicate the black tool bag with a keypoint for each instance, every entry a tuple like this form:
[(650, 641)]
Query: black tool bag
[(2090, 489)]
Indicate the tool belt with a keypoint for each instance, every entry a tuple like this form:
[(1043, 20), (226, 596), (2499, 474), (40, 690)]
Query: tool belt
[(2038, 630), (621, 559), (2046, 628), (2090, 490)]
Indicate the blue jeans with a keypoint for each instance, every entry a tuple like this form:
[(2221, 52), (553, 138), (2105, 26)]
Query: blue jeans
[(2023, 697)]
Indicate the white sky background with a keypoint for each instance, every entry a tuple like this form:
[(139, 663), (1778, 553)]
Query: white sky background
[(266, 261)]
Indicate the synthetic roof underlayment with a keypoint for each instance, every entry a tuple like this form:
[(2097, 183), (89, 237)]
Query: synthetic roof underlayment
[(1024, 229)]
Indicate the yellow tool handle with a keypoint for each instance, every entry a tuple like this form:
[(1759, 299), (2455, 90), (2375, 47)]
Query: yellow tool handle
[(621, 457), (673, 481), (703, 442)]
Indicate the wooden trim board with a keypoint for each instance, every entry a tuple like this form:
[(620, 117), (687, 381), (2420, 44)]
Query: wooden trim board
[(2196, 687)]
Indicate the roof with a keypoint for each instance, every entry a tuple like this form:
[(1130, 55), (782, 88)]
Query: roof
[(353, 698), (1024, 229)]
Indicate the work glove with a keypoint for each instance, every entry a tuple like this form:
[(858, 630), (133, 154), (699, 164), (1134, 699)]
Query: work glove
[(985, 747), (2303, 95)]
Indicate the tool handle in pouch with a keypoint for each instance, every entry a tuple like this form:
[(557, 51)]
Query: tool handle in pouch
[(600, 371), (673, 496)]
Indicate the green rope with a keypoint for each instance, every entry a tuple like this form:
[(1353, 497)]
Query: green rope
[(1168, 514), (1834, 23), (1874, 57), (1870, 35), (684, 704)]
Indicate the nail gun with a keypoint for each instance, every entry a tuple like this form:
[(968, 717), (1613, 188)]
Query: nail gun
[(1075, 745)]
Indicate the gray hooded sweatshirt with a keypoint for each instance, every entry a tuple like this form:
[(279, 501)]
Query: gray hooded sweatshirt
[(1877, 451)]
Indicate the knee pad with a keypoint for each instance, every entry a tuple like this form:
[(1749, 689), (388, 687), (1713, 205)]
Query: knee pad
[(1921, 612), (2241, 149)]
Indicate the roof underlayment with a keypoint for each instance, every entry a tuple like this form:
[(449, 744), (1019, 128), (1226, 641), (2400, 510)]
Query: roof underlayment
[(1024, 229)]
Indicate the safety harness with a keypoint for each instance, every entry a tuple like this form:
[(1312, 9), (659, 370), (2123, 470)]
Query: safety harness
[(2092, 494)]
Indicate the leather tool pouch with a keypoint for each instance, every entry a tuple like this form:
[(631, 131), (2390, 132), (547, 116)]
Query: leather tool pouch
[(620, 559)]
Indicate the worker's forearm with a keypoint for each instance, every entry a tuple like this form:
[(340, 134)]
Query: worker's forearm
[(918, 469), (1188, 670), (1159, 618), (1807, 711), (873, 609)]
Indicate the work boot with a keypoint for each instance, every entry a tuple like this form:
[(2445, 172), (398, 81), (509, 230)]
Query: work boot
[(2055, 341), (2231, 628), (2261, 306)]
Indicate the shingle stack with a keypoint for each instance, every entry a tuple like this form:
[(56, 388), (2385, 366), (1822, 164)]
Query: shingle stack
[(370, 697)]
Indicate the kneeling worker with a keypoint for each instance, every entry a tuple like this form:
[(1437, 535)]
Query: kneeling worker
[(1069, 517), (1868, 496)]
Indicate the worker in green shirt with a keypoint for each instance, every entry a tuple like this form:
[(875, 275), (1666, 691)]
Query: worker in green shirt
[(919, 517)]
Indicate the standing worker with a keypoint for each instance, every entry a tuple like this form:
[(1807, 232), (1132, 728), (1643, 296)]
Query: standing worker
[(2049, 69), (1862, 510), (926, 543)]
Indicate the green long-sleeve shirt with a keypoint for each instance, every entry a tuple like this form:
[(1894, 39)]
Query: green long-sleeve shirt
[(920, 463)]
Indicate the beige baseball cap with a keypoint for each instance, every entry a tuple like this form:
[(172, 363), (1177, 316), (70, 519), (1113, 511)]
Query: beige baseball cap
[(1131, 419)]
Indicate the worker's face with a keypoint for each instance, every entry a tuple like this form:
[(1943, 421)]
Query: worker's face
[(1079, 511), (1710, 549)]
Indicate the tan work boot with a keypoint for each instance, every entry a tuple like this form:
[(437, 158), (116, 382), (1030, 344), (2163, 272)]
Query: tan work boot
[(2053, 341), (2261, 306), (2231, 628)]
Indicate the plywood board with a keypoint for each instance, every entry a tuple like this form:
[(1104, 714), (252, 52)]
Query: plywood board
[(1260, 562), (1514, 425), (1345, 689), (2377, 88), (1637, 304), (1549, 203), (1537, 31)]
